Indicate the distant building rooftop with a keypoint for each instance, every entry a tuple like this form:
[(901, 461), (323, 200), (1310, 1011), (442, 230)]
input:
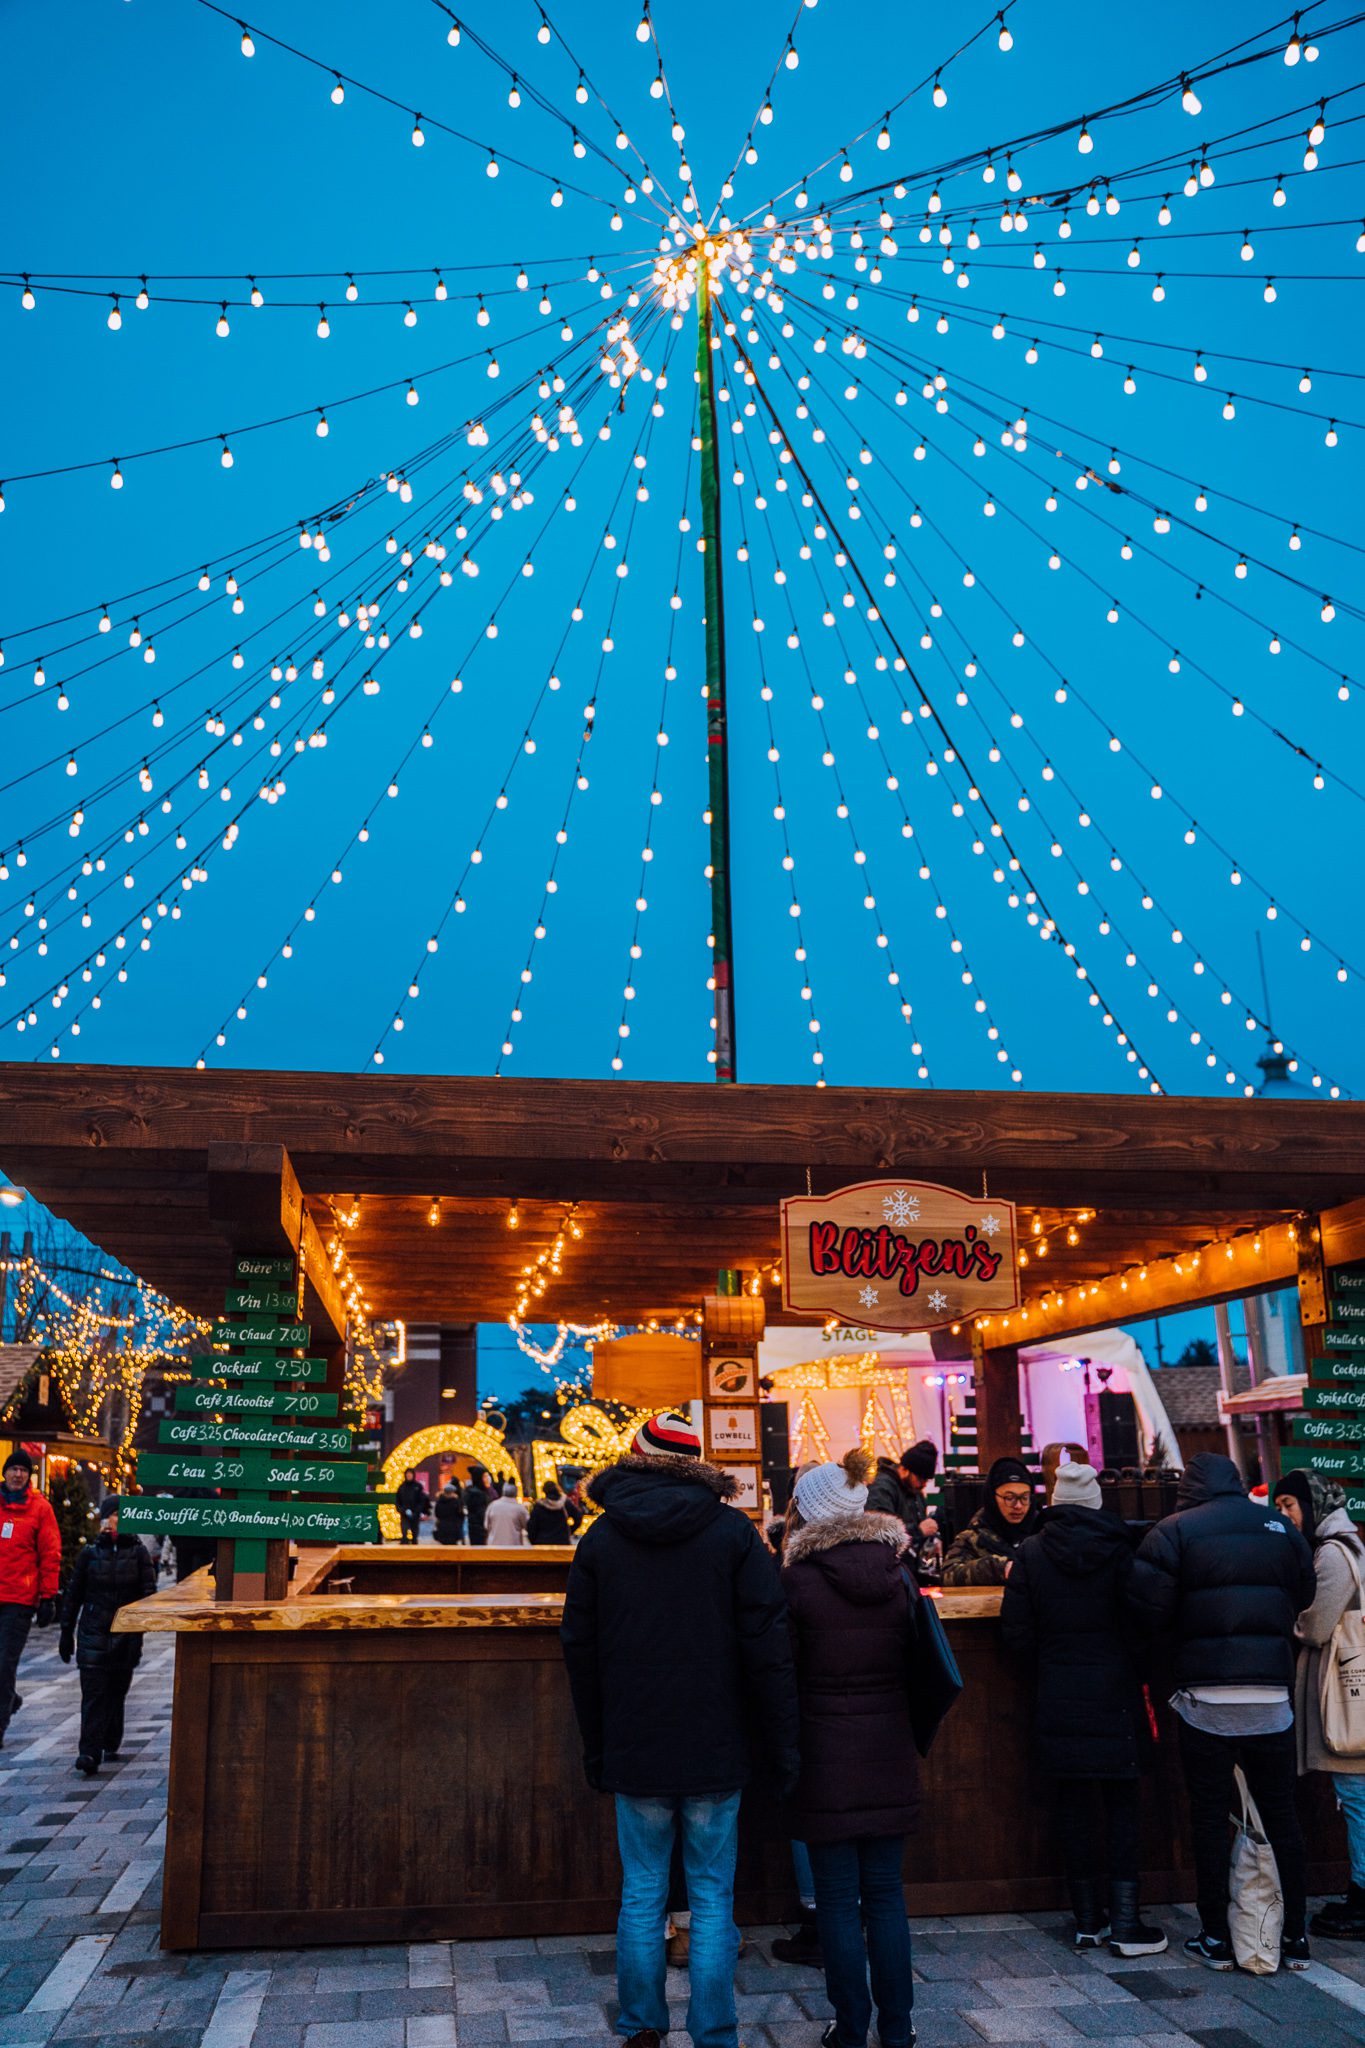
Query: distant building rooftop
[(1190, 1393)]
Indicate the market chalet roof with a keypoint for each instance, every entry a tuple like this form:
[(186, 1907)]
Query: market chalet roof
[(672, 1180)]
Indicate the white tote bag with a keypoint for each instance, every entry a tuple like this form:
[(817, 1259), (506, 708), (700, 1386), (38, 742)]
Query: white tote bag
[(1341, 1677), (1255, 1901)]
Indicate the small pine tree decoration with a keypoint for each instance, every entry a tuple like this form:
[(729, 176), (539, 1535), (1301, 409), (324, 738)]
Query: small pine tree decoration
[(70, 1498)]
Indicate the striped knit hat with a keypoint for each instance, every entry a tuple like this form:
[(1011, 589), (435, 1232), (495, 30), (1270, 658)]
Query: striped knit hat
[(667, 1436)]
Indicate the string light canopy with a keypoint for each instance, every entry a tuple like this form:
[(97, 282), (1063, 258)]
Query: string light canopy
[(811, 573)]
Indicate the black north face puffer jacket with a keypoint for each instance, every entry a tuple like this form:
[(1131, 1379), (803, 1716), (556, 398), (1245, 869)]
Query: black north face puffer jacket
[(1227, 1578)]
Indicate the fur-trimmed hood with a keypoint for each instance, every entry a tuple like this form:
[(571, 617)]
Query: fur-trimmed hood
[(813, 1538), (663, 1499)]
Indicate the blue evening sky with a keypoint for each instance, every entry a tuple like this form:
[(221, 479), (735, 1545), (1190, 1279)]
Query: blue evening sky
[(144, 141)]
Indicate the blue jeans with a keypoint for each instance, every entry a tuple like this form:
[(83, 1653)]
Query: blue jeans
[(1350, 1791), (857, 1882), (15, 1622), (709, 1833), (805, 1878)]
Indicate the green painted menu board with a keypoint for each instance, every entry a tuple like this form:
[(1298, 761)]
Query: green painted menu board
[(255, 1365), (317, 1442), (1330, 1435), (256, 1471), (261, 1331), (326, 1521), (1328, 1429), (254, 1401), (253, 1424)]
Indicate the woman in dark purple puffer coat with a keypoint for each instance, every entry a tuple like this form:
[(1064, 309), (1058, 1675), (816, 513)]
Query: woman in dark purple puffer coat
[(851, 1608)]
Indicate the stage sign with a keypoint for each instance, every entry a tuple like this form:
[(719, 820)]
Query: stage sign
[(899, 1255)]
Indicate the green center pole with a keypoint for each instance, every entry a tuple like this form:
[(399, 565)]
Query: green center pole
[(718, 767)]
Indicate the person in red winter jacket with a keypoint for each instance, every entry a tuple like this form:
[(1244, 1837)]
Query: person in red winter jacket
[(30, 1566)]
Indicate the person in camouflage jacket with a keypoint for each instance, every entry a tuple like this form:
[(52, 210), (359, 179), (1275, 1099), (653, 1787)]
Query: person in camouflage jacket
[(985, 1550)]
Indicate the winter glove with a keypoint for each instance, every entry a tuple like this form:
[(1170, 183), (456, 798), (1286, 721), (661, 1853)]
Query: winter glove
[(46, 1612), (66, 1646)]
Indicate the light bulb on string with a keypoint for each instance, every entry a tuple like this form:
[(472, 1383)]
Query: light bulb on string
[(221, 327), (418, 134), (1004, 41), (115, 320), (248, 47), (324, 325), (143, 299), (338, 90)]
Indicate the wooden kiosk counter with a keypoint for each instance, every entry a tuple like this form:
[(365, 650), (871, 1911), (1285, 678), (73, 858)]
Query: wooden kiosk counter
[(384, 1749), (405, 1766)]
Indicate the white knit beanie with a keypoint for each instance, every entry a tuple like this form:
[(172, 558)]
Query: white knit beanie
[(826, 1490), (1077, 1486)]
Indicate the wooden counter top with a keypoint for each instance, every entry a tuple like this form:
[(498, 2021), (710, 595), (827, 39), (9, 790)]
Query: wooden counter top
[(190, 1608)]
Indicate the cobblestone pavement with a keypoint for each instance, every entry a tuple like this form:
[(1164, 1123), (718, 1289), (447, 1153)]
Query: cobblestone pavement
[(79, 1962)]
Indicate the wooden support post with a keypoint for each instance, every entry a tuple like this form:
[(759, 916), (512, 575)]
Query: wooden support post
[(999, 1417), (732, 1437), (1232, 1427), (256, 1202)]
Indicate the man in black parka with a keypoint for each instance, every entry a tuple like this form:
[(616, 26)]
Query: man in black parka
[(675, 1637), (1228, 1580)]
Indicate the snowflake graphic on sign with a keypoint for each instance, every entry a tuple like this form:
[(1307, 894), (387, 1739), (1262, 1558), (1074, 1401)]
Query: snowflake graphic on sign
[(991, 1225), (938, 1299), (868, 1297), (900, 1207)]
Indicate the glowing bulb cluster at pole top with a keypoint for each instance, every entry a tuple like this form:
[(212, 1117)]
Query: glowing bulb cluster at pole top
[(677, 268)]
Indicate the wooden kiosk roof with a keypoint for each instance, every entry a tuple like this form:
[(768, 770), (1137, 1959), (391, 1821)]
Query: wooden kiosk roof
[(673, 1180)]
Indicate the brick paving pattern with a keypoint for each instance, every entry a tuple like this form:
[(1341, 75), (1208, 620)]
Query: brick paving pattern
[(79, 1963)]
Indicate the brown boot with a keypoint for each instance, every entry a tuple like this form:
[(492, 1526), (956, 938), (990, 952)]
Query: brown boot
[(678, 1948)]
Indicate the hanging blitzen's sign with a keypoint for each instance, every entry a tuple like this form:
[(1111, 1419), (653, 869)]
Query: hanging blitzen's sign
[(898, 1255)]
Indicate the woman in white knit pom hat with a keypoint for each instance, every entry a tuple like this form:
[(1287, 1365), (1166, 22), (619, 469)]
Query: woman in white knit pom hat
[(850, 1600)]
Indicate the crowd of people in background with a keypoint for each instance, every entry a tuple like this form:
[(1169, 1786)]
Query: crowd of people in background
[(488, 1511), (701, 1658)]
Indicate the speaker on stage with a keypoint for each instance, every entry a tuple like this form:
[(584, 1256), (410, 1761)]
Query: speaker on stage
[(781, 1478), (774, 1435)]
